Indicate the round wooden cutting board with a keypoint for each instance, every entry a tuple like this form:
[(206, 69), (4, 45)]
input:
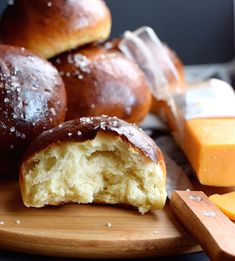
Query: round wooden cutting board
[(92, 231)]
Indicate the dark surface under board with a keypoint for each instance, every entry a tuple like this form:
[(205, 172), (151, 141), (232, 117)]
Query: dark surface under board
[(10, 256)]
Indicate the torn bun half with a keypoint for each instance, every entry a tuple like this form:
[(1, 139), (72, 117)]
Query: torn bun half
[(94, 159)]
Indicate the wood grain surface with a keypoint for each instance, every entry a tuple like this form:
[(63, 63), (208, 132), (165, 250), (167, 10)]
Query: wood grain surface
[(83, 231), (94, 231)]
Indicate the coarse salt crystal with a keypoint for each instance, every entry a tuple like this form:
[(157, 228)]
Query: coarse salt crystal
[(18, 134), (53, 111), (115, 124), (82, 62), (70, 59), (108, 45), (58, 61), (15, 84)]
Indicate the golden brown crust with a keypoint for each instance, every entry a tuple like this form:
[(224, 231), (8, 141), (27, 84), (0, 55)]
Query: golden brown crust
[(102, 81), (86, 128), (32, 99), (52, 27)]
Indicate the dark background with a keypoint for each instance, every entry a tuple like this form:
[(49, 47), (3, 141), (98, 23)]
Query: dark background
[(200, 31)]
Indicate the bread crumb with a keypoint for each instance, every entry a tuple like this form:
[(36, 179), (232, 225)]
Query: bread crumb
[(108, 224)]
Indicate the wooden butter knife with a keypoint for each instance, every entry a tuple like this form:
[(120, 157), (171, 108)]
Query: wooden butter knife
[(210, 227)]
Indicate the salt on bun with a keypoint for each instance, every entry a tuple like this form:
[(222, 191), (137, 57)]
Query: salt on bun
[(94, 159), (32, 99), (52, 27), (100, 81)]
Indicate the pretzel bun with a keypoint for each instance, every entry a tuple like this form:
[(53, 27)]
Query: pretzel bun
[(102, 81), (32, 99), (94, 159), (160, 107), (52, 27)]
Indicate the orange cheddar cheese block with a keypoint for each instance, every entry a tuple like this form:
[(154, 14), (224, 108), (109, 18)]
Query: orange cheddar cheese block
[(209, 145), (226, 203)]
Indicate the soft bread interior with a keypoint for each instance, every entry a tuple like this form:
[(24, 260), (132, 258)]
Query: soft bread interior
[(106, 169)]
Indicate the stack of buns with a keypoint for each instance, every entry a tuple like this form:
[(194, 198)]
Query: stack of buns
[(90, 157), (97, 80)]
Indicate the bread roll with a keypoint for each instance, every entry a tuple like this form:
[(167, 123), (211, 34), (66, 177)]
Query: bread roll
[(160, 107), (32, 99), (102, 81), (101, 160), (52, 27)]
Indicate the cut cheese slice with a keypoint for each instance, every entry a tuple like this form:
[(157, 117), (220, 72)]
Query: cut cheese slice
[(209, 145), (226, 203)]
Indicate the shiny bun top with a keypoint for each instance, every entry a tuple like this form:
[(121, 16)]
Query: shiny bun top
[(100, 81), (32, 98), (52, 27)]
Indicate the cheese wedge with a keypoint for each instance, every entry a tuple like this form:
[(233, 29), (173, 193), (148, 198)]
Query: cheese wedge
[(209, 145), (226, 203)]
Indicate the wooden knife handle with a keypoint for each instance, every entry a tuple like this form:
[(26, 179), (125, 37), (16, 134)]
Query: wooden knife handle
[(212, 229)]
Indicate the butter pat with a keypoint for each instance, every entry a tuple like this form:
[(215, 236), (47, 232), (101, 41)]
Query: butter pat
[(225, 203), (209, 145)]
